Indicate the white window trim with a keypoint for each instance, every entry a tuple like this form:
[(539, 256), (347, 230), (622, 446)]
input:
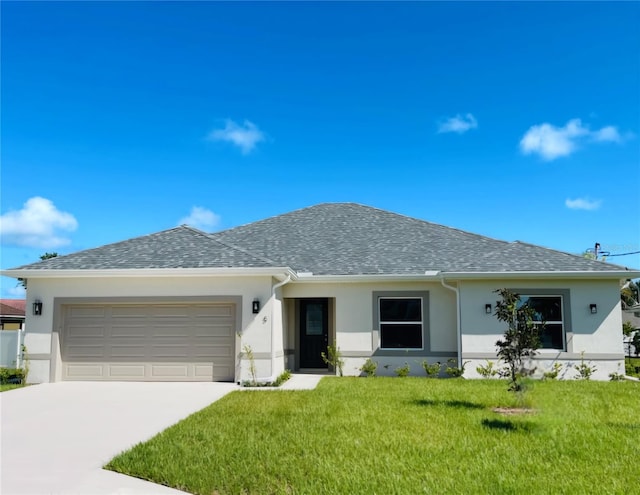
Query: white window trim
[(421, 322)]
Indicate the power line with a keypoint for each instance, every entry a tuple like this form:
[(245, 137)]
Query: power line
[(623, 254)]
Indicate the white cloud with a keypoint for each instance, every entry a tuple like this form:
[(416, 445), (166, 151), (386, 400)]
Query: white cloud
[(608, 133), (244, 136), (459, 124), (552, 142), (18, 292), (38, 224), (582, 204), (201, 218)]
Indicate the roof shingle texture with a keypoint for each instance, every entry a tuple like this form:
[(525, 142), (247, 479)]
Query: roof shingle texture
[(329, 239), (180, 247), (350, 239)]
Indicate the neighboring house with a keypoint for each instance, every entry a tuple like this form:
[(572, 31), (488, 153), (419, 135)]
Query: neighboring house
[(12, 314), (182, 304)]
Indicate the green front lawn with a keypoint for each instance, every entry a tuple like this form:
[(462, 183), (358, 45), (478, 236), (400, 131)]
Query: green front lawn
[(401, 436), (9, 386)]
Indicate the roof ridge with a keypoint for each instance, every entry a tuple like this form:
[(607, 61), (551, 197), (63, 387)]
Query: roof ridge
[(232, 246), (570, 254)]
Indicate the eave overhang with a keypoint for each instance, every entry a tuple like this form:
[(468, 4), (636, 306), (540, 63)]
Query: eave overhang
[(280, 273), (613, 274)]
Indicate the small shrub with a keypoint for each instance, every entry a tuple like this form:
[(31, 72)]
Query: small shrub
[(333, 358), (553, 373), (432, 370), (452, 368), (282, 377), (487, 371), (252, 366), (12, 375), (369, 367), (584, 370), (403, 371), (616, 377)]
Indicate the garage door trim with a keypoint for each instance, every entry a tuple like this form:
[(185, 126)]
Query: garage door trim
[(61, 302)]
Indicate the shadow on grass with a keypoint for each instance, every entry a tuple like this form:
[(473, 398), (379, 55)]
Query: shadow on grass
[(456, 404), (507, 425), (625, 426)]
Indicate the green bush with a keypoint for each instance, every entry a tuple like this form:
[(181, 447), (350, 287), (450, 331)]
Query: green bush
[(369, 367), (487, 371), (452, 368), (432, 370), (12, 375), (282, 377), (403, 371)]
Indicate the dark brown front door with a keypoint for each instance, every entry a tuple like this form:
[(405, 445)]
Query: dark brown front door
[(314, 332)]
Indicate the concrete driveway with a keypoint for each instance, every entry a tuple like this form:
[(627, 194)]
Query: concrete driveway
[(56, 437)]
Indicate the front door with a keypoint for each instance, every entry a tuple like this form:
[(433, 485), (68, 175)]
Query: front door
[(314, 332)]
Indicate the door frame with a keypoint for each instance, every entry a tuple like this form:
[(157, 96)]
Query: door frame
[(330, 315)]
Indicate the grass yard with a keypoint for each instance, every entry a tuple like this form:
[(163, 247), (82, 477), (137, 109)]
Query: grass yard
[(402, 436), (9, 386)]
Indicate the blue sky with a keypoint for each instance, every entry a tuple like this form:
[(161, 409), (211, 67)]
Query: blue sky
[(519, 121)]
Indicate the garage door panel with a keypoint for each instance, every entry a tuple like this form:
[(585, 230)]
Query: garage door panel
[(149, 342), (128, 331), (130, 352), (86, 371), (126, 371), (223, 311), (85, 331), (80, 351), (171, 331), (87, 312), (170, 370)]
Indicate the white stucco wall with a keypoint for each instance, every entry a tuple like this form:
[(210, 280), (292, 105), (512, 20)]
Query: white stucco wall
[(355, 326), (40, 338), (599, 335)]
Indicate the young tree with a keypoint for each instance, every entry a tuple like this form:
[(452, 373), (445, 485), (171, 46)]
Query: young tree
[(629, 294), (521, 339)]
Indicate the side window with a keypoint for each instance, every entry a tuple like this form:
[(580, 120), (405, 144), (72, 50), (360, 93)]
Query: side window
[(401, 322), (548, 309)]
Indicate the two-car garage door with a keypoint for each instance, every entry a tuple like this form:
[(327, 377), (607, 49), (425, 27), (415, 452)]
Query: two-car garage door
[(148, 342)]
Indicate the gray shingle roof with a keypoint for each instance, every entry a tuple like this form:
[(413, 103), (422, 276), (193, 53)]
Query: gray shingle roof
[(180, 247), (350, 239), (328, 239)]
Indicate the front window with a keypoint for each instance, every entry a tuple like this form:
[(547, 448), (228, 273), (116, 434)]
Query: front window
[(400, 322), (547, 310)]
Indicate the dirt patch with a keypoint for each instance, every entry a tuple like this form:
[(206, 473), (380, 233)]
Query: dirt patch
[(513, 411)]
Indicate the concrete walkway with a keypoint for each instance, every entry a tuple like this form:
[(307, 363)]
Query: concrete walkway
[(56, 437)]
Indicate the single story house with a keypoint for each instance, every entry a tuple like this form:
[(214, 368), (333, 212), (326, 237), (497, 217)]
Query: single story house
[(185, 305)]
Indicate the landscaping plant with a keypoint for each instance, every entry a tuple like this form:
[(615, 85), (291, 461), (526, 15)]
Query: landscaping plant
[(453, 370), (432, 370), (487, 371), (521, 339), (333, 358), (369, 367), (584, 370), (403, 371)]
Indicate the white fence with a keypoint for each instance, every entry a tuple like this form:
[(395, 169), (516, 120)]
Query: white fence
[(11, 348)]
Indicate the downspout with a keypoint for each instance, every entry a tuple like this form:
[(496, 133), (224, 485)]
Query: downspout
[(273, 330), (458, 316)]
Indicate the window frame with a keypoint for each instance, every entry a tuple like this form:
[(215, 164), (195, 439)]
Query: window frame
[(551, 322), (566, 313), (382, 322)]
